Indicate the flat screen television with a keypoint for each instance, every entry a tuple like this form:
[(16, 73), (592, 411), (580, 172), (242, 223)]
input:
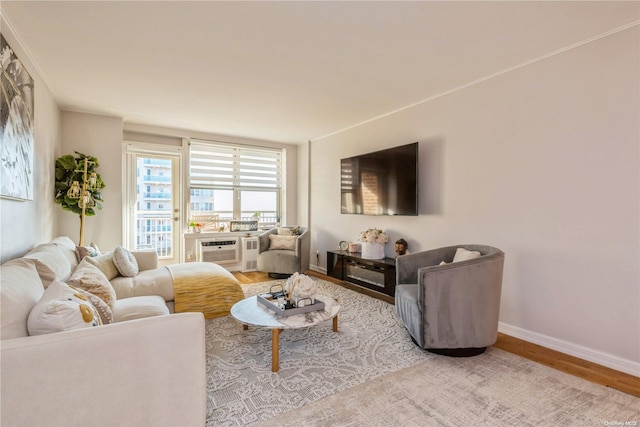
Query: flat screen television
[(381, 183)]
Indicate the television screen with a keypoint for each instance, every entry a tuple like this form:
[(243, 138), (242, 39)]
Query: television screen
[(381, 183)]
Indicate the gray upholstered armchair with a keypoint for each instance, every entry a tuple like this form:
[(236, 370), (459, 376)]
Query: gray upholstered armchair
[(450, 309), (282, 255)]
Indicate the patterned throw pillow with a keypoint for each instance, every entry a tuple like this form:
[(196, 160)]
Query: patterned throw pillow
[(61, 308), (282, 242), (125, 262), (92, 251), (89, 277), (105, 312)]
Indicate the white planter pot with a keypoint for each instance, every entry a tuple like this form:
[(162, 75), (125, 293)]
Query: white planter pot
[(372, 250)]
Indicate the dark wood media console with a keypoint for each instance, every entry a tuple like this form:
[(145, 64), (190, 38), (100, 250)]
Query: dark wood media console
[(376, 274)]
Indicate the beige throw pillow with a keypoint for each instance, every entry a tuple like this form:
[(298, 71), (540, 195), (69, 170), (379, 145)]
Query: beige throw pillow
[(105, 263), (89, 277), (50, 263), (282, 242)]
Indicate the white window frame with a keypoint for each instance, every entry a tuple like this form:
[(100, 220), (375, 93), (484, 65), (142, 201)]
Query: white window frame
[(130, 148), (230, 175)]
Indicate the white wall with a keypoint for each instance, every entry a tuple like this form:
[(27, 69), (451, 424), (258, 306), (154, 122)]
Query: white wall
[(542, 162), (99, 136), (27, 223)]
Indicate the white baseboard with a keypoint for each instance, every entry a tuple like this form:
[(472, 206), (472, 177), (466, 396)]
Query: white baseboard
[(610, 361), (604, 359)]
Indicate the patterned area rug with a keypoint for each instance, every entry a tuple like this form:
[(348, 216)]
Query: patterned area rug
[(495, 389), (371, 374), (314, 362)]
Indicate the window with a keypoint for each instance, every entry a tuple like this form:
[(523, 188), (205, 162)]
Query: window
[(235, 182)]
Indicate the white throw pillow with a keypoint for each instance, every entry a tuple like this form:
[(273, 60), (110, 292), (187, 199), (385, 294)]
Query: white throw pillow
[(285, 231), (463, 254), (125, 262), (61, 308), (89, 277), (282, 242)]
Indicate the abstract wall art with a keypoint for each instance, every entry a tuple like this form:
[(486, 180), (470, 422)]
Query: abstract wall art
[(16, 126)]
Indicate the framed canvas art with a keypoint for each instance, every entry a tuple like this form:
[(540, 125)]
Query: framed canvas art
[(16, 126)]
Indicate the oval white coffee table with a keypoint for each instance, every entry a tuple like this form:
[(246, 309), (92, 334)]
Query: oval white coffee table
[(250, 312)]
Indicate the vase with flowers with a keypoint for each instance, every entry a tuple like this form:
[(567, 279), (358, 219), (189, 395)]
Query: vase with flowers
[(373, 240)]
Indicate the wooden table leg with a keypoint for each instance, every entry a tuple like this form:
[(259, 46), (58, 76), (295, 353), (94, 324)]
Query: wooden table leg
[(275, 349), (335, 324)]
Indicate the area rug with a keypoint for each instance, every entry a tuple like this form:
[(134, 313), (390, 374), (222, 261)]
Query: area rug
[(314, 362), (371, 374), (495, 389)]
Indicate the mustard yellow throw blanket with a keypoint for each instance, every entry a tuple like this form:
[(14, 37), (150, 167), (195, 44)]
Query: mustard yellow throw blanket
[(204, 287)]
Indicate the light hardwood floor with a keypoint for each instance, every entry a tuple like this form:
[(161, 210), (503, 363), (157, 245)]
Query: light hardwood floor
[(554, 359)]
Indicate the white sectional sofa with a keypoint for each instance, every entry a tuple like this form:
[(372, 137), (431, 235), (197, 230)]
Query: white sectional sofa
[(147, 371)]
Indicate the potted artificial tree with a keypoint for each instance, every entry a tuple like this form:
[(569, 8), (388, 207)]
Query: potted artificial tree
[(78, 186)]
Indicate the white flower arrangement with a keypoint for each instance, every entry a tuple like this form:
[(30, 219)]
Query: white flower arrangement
[(373, 235), (301, 286)]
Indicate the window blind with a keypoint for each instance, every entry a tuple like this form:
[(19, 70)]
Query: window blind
[(222, 166)]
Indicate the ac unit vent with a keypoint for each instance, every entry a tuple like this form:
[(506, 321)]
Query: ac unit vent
[(219, 256)]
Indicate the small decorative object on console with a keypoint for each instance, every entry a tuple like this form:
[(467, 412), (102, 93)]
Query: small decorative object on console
[(401, 247), (373, 241)]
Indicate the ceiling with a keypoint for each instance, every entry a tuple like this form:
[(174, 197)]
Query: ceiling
[(286, 71)]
